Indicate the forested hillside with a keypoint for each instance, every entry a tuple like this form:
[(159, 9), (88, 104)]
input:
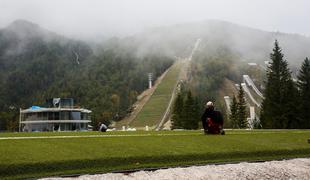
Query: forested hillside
[(36, 64), (209, 72)]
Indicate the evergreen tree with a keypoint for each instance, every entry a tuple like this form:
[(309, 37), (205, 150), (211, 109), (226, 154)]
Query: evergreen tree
[(256, 124), (233, 116), (241, 112), (189, 113), (177, 112), (279, 106), (196, 116), (304, 87)]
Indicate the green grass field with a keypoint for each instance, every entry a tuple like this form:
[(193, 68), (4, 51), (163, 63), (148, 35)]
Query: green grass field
[(155, 108), (27, 158)]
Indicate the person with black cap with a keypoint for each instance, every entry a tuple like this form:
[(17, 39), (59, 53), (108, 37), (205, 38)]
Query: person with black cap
[(212, 120)]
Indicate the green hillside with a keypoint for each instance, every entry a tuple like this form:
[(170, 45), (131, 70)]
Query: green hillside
[(155, 108)]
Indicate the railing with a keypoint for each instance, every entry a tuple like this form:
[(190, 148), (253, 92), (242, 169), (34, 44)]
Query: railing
[(54, 121)]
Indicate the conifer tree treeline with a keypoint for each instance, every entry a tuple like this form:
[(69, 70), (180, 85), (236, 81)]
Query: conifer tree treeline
[(284, 105), (177, 112), (233, 116), (238, 114), (185, 114), (304, 88), (242, 114)]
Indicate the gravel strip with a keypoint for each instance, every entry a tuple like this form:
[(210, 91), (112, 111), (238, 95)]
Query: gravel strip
[(286, 169)]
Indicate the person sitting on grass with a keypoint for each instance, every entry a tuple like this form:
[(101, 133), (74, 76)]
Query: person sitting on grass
[(102, 127), (212, 120)]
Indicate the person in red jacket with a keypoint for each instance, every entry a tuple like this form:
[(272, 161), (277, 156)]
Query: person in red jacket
[(212, 120)]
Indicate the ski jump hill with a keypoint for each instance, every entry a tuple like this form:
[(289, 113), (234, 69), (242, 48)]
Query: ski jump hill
[(154, 106)]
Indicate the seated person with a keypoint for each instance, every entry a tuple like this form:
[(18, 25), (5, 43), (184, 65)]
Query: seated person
[(103, 127), (212, 120)]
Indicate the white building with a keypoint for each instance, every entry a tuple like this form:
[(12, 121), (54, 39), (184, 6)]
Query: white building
[(58, 115)]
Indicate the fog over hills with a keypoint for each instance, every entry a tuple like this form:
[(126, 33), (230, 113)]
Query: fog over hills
[(252, 45), (26, 47), (23, 41)]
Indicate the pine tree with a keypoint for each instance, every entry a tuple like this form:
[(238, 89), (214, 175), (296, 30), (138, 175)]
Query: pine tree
[(189, 113), (279, 106), (196, 114), (177, 112), (233, 116), (256, 123), (304, 87), (241, 112)]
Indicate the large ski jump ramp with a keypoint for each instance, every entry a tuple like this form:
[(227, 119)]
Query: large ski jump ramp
[(157, 110), (247, 91), (153, 111), (249, 81)]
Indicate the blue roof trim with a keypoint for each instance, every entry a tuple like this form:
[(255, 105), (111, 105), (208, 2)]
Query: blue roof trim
[(35, 107)]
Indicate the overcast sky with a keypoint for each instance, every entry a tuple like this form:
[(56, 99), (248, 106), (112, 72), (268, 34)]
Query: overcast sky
[(89, 18)]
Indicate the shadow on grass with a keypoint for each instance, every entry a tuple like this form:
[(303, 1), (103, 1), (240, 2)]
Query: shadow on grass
[(28, 170)]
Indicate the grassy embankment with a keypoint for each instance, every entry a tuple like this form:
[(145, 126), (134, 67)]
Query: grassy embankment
[(26, 158), (155, 108)]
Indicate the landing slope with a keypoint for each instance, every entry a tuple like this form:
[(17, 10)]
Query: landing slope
[(155, 108), (142, 99)]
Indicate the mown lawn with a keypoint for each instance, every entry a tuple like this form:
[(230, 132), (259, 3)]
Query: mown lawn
[(27, 158), (155, 108)]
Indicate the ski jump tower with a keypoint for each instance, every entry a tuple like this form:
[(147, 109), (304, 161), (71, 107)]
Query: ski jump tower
[(227, 102), (150, 80)]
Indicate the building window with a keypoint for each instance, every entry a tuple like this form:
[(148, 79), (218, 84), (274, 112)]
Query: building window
[(50, 116), (75, 115), (45, 116), (64, 115), (56, 115)]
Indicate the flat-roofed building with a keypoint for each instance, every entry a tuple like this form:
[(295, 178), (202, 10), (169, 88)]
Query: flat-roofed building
[(59, 114)]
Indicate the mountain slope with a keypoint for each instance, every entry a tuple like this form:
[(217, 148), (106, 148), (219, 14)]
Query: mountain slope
[(36, 64), (32, 59)]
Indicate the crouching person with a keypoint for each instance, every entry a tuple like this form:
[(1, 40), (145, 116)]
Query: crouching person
[(103, 127), (212, 120)]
